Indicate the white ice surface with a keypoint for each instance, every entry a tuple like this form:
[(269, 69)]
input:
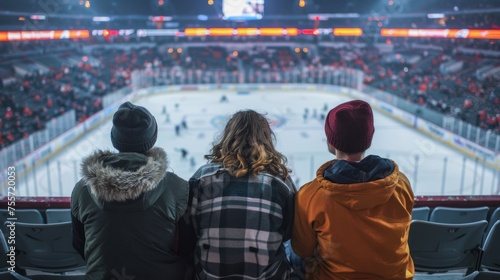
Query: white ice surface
[(438, 170)]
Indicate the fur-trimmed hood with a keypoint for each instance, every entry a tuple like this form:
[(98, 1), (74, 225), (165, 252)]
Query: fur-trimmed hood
[(123, 176)]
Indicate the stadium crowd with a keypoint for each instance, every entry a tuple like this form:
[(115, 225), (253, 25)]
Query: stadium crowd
[(410, 72)]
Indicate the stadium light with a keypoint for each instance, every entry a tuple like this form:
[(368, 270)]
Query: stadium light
[(160, 18), (38, 17), (101, 19), (435, 15), (322, 16), (202, 17)]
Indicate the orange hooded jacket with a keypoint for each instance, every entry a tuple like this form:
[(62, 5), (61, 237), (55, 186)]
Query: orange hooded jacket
[(357, 230)]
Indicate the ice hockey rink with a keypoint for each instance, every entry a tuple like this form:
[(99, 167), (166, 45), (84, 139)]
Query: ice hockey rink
[(432, 167)]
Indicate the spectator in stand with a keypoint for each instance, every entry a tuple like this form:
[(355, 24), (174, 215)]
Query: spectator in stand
[(27, 111), (126, 210), (10, 137), (242, 204), (9, 113), (352, 220)]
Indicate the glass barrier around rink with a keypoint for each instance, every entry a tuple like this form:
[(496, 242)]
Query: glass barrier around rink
[(429, 174)]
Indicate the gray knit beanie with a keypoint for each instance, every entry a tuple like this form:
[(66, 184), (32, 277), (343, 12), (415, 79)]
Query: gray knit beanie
[(134, 129)]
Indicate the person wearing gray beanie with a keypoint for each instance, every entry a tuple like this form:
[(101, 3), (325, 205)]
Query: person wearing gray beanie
[(127, 210), (352, 220)]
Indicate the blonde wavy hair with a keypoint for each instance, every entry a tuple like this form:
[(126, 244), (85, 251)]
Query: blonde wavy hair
[(247, 146)]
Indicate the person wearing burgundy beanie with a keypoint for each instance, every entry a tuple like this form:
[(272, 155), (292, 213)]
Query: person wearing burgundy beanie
[(352, 220)]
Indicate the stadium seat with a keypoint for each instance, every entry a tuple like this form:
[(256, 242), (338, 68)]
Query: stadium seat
[(47, 248), (482, 275), (4, 249), (56, 277), (4, 265), (420, 213), (440, 247), (453, 215), (491, 249), (495, 216), (58, 215), (22, 215), (10, 275)]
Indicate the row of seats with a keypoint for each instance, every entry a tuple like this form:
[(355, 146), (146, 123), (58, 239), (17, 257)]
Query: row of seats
[(438, 214), (435, 246), (43, 243), (460, 238), (453, 215), (36, 216), (41, 247)]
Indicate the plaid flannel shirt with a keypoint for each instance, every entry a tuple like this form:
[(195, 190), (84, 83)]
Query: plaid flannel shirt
[(241, 224)]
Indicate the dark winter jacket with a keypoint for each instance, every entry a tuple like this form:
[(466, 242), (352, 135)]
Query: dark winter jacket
[(125, 210)]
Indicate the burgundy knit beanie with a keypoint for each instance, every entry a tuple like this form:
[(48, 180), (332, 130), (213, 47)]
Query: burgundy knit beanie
[(349, 126)]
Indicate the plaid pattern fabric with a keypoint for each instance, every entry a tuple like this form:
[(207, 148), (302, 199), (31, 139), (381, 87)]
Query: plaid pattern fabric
[(241, 224)]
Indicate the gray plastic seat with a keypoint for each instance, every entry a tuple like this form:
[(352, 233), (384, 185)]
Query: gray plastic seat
[(11, 275), (495, 216), (482, 275), (421, 213), (47, 247), (440, 247), (21, 215), (4, 250), (491, 249), (58, 215), (4, 265), (453, 215)]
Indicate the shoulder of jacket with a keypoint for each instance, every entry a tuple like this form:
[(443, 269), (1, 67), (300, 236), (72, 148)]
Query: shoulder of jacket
[(81, 197), (286, 183), (79, 189), (308, 191), (172, 177)]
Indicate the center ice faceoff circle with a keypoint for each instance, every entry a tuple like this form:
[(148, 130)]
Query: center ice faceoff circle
[(275, 121)]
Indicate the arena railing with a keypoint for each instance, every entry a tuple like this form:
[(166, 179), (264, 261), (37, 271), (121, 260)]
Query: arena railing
[(25, 146)]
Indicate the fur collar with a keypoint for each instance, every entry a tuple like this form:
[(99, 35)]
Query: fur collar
[(108, 183)]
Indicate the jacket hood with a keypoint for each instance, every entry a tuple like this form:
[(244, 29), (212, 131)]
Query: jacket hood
[(123, 176), (362, 185)]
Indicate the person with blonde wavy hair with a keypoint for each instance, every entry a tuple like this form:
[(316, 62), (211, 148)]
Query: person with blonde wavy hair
[(242, 202)]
